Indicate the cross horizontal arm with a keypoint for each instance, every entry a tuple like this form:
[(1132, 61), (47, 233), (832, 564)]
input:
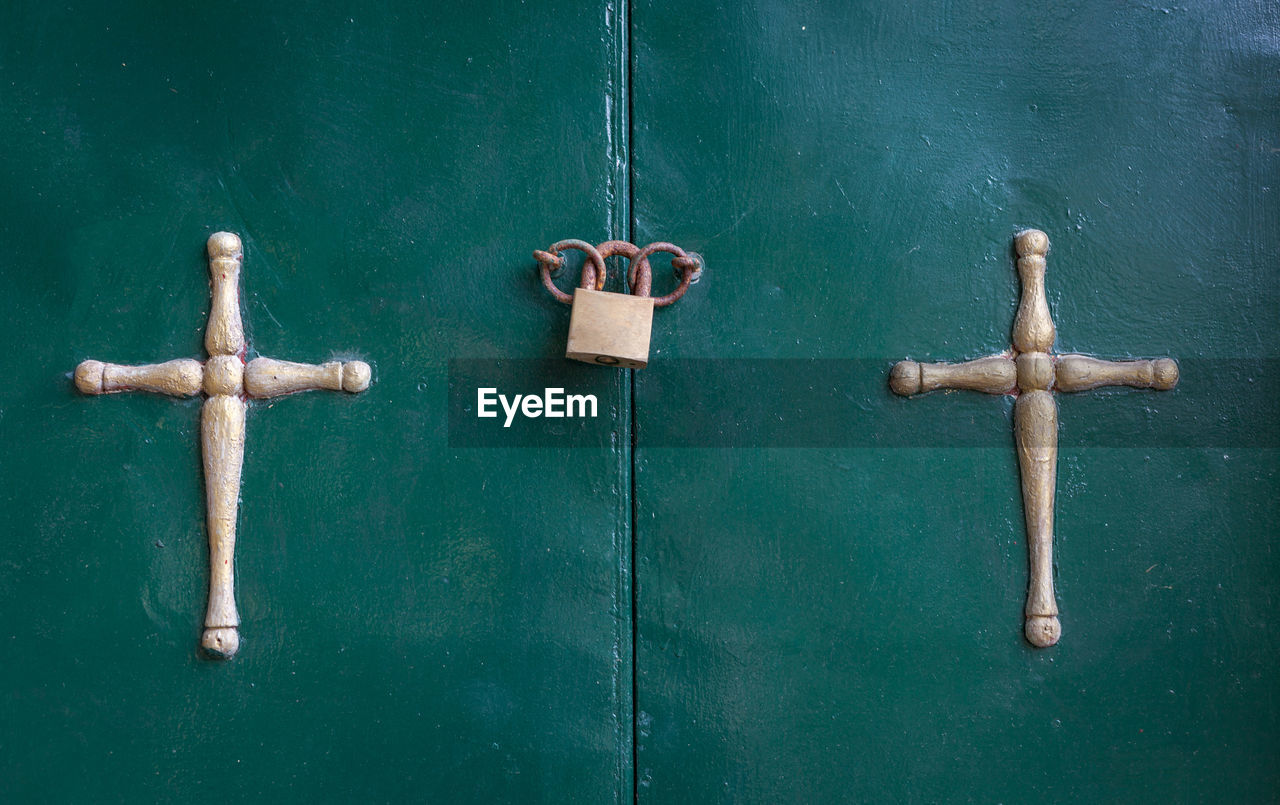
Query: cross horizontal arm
[(180, 378), (268, 377), (1081, 373), (994, 375)]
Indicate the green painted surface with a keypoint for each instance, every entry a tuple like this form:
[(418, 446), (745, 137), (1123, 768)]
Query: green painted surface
[(844, 623), (420, 623), (428, 622)]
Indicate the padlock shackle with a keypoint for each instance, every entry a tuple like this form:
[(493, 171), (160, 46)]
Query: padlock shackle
[(618, 248)]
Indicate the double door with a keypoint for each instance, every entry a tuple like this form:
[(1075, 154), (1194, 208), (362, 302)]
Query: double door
[(757, 576)]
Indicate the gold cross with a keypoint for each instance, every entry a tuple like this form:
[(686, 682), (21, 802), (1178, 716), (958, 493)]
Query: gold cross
[(228, 382), (1030, 372)]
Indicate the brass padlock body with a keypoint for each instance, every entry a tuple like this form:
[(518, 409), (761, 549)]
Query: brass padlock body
[(610, 329)]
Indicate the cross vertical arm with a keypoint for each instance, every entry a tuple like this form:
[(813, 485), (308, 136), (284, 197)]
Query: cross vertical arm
[(1035, 424), (222, 441), (222, 449), (1035, 428)]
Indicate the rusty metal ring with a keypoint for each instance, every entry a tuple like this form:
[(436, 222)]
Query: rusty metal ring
[(693, 263), (641, 281), (593, 270), (632, 252), (553, 262), (618, 248)]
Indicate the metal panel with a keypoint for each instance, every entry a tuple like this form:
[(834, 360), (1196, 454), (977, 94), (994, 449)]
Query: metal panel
[(419, 622), (842, 622)]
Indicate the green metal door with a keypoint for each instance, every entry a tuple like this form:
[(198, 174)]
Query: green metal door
[(760, 576), (419, 622), (829, 598)]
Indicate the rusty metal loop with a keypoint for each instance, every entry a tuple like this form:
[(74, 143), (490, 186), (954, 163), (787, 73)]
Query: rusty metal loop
[(622, 248), (640, 275), (633, 253), (593, 270), (687, 266)]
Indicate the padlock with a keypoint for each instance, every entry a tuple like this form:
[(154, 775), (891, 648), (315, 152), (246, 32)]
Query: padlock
[(611, 329), (614, 329)]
